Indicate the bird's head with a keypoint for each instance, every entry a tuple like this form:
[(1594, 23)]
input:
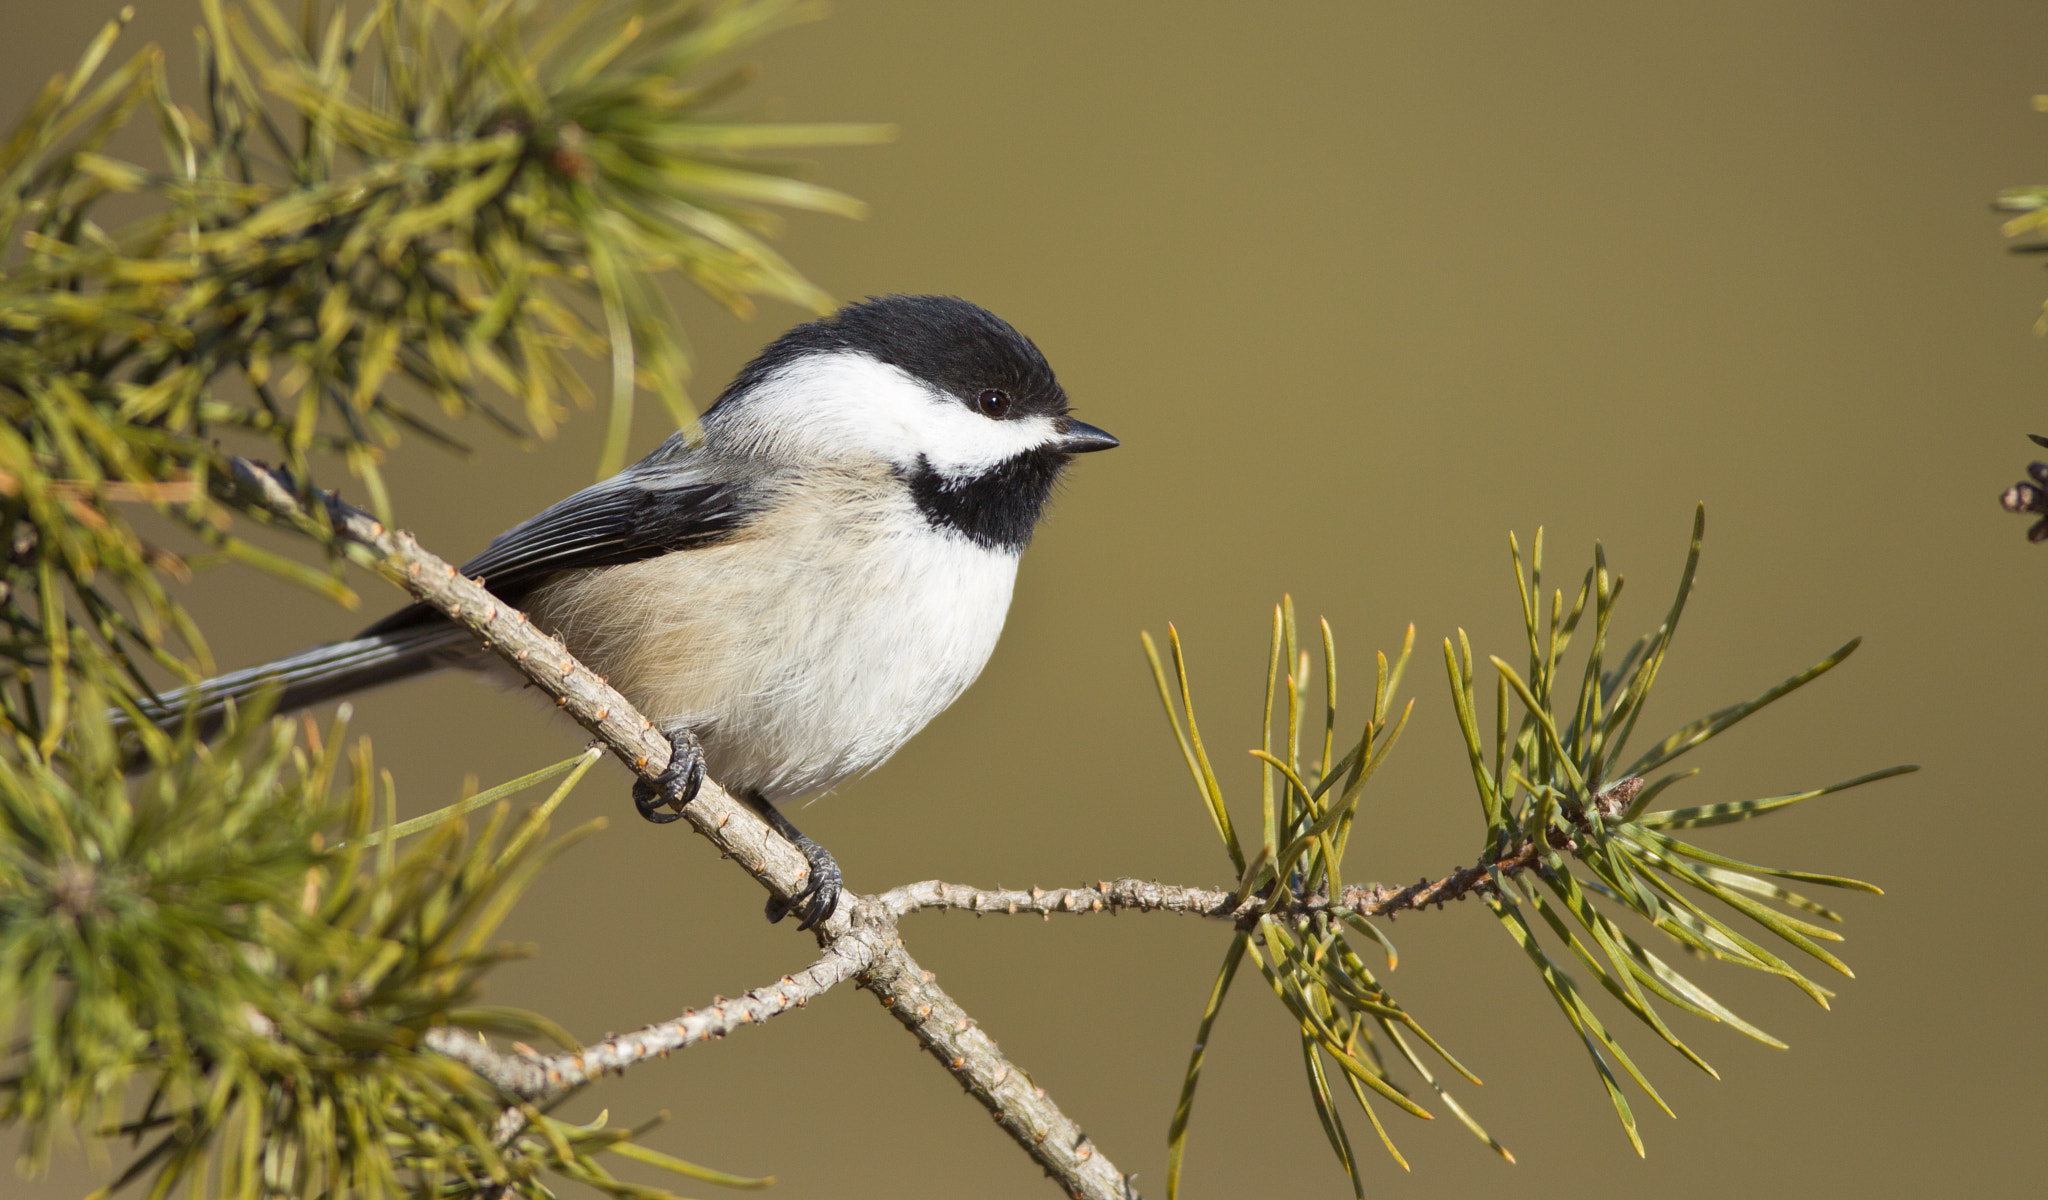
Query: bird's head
[(943, 392)]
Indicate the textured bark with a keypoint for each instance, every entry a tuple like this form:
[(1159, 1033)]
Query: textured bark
[(1020, 1106), (1367, 900)]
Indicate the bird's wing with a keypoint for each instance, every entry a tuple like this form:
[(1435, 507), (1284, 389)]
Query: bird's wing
[(631, 516)]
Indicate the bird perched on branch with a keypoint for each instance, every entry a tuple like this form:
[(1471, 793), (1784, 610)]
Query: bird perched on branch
[(792, 595)]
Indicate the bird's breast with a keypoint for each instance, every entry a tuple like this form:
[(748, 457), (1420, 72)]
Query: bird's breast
[(806, 650)]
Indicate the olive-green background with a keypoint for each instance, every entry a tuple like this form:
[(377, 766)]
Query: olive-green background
[(1363, 287)]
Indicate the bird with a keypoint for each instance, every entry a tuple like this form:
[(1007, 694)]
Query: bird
[(789, 592)]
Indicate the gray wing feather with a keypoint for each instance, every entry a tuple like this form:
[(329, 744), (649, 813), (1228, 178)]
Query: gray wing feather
[(637, 514)]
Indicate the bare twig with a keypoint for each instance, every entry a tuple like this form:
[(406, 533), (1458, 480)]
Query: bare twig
[(1374, 900), (542, 1079), (1047, 1134)]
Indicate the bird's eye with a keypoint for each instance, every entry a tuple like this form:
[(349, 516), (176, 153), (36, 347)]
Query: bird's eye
[(992, 404)]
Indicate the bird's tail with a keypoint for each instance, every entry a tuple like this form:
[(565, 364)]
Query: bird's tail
[(311, 676)]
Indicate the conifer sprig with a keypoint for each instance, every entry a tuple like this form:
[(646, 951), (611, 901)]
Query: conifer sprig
[(1569, 846)]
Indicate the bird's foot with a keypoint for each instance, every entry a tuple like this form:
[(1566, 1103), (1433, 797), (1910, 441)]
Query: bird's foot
[(820, 897), (677, 784)]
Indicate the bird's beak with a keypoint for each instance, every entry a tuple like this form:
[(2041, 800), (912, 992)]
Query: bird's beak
[(1083, 438)]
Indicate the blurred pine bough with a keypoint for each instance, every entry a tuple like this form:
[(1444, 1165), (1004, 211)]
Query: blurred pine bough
[(2029, 497), (451, 195), (377, 215), (230, 966)]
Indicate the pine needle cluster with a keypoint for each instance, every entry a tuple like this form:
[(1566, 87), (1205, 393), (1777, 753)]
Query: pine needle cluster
[(1570, 845), (239, 940)]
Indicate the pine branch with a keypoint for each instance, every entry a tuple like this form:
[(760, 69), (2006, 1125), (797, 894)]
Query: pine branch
[(911, 994)]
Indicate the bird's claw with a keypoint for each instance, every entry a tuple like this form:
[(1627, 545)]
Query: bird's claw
[(819, 898), (678, 783)]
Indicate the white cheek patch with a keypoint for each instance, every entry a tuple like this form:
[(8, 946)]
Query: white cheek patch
[(843, 403), (961, 443)]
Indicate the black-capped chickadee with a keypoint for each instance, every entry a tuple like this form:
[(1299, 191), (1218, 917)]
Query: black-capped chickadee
[(793, 595)]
